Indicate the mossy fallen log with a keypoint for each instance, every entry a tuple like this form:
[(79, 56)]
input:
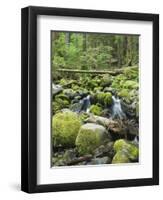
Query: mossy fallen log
[(113, 72)]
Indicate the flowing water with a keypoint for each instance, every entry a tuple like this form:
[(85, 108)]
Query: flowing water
[(85, 104), (117, 111)]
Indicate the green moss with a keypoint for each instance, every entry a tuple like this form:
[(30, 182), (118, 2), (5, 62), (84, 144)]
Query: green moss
[(63, 81), (59, 104), (131, 73), (65, 127), (104, 98), (120, 157), (124, 93), (97, 89), (130, 149), (83, 116), (89, 138), (108, 99), (118, 82), (62, 96), (129, 84), (91, 84), (100, 97), (96, 110), (106, 80)]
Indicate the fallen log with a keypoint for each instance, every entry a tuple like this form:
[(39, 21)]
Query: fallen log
[(111, 72)]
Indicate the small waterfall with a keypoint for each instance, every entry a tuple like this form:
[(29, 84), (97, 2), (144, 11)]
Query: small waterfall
[(85, 104), (136, 140), (117, 111)]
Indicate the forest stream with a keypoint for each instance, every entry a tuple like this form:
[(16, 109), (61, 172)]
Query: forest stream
[(95, 118)]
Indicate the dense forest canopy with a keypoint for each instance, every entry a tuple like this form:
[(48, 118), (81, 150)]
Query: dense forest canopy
[(87, 51)]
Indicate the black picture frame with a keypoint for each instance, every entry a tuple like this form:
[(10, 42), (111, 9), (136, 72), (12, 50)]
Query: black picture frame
[(29, 99)]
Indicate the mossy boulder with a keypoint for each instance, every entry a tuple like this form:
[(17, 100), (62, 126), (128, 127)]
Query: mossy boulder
[(90, 137), (118, 82), (59, 104), (97, 89), (130, 149), (96, 110), (130, 84), (65, 127), (104, 98), (120, 157), (106, 81), (91, 84), (124, 93), (131, 73), (108, 99), (70, 93), (83, 116)]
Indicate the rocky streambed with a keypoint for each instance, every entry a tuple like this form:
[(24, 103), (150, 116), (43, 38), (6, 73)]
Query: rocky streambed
[(95, 119)]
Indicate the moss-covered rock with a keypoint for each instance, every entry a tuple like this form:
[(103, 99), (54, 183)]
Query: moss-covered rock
[(83, 116), (59, 104), (130, 84), (100, 97), (65, 127), (97, 89), (124, 93), (131, 73), (120, 157), (108, 99), (130, 149), (104, 98), (90, 136), (70, 93), (96, 110), (91, 84), (118, 82), (106, 80)]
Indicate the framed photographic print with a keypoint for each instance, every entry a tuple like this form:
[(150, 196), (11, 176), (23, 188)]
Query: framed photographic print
[(90, 99)]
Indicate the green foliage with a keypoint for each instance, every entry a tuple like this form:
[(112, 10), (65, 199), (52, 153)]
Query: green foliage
[(65, 127), (93, 51), (129, 84), (96, 110), (96, 58), (60, 101)]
